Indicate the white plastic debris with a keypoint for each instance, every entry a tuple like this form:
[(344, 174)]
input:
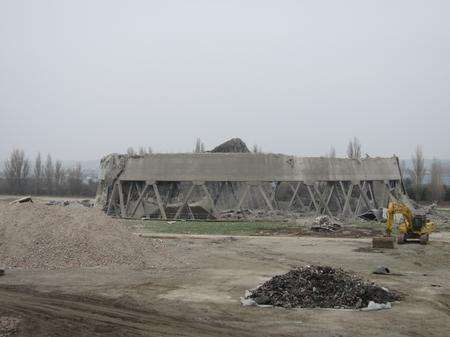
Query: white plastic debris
[(377, 306), (248, 302)]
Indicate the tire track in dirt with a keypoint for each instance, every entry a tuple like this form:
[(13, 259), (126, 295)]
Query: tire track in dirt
[(53, 314)]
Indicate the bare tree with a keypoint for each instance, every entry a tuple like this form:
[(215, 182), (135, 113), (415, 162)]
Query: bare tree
[(16, 171), (130, 151), (37, 174), (417, 172), (199, 146), (75, 179), (256, 149), (354, 149), (49, 174), (142, 151), (59, 175), (437, 181), (332, 153)]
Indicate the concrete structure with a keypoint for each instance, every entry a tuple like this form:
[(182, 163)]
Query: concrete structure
[(171, 185)]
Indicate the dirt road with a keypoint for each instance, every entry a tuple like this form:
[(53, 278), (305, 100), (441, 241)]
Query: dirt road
[(56, 314)]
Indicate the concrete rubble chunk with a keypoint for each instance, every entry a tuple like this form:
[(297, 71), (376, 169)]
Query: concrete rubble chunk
[(21, 200)]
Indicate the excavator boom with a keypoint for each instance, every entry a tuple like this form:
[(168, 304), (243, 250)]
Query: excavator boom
[(397, 208)]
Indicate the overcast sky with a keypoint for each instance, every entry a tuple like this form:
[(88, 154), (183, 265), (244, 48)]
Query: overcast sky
[(80, 79)]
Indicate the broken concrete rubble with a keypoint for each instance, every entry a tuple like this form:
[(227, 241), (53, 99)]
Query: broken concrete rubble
[(71, 203), (21, 200), (325, 224)]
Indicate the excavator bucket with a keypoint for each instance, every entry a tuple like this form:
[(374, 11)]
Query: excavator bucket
[(387, 242)]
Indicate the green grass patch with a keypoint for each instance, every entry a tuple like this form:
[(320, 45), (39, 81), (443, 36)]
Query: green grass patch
[(212, 227)]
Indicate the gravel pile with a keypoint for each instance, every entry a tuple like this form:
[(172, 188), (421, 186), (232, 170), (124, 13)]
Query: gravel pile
[(320, 287), (34, 235)]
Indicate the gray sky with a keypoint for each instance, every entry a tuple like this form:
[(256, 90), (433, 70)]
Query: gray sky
[(80, 79)]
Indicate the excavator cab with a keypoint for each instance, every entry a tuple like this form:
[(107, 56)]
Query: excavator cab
[(418, 222)]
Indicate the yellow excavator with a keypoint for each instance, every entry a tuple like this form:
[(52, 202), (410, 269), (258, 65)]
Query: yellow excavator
[(414, 226)]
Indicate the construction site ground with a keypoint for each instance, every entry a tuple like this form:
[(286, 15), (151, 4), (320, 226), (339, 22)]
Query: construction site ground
[(201, 297), (197, 292)]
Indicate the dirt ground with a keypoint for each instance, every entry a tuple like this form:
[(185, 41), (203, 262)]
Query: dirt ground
[(199, 295)]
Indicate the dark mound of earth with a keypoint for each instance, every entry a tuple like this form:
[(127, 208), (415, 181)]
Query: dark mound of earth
[(321, 287), (232, 146)]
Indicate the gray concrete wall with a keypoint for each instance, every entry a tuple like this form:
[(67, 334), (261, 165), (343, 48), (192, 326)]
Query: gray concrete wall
[(256, 167)]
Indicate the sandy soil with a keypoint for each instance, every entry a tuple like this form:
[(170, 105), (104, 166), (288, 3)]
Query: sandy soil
[(200, 297)]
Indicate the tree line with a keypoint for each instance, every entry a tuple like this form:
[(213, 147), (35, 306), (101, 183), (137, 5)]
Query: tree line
[(422, 183), (43, 177), (48, 177), (420, 189)]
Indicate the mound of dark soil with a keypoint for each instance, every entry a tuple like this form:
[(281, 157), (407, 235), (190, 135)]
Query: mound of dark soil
[(232, 145), (320, 287)]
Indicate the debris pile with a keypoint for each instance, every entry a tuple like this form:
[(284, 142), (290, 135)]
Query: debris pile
[(260, 214), (324, 223), (34, 235), (431, 211), (234, 145), (320, 287), (71, 203), (434, 215)]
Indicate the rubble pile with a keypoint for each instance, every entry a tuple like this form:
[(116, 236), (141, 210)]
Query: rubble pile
[(234, 145), (260, 214), (324, 223), (434, 215), (71, 203), (431, 211), (34, 235), (320, 287)]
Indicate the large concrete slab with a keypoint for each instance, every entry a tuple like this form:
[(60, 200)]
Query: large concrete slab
[(256, 167)]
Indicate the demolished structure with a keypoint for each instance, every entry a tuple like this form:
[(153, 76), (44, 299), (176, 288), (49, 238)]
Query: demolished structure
[(202, 185)]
